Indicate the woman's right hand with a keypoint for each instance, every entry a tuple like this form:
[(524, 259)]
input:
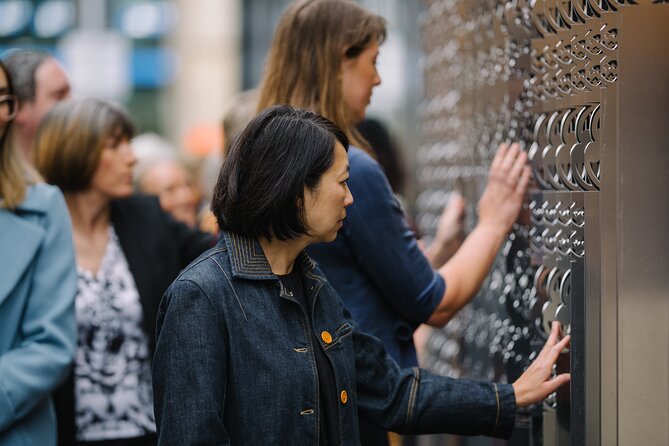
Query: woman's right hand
[(504, 194), (536, 383)]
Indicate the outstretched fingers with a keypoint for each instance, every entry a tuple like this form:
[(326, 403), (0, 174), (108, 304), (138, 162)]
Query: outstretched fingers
[(519, 163), (521, 187), (510, 157), (552, 385), (553, 347), (555, 351), (552, 337), (499, 156)]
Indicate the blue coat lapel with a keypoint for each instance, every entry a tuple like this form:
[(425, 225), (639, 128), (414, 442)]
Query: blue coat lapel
[(20, 240)]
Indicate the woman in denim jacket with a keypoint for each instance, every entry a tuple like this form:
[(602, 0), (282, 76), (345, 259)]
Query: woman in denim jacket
[(37, 288), (254, 347)]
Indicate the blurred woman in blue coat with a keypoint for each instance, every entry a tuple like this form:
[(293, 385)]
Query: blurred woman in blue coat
[(37, 289)]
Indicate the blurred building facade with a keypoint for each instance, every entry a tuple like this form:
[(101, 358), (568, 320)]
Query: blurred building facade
[(177, 63), (173, 63)]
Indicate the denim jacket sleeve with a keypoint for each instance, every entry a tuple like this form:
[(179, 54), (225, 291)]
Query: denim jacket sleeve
[(385, 246), (417, 402), (30, 371), (189, 369)]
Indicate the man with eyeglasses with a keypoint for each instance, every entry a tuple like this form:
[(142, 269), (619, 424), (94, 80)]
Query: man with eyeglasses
[(39, 83)]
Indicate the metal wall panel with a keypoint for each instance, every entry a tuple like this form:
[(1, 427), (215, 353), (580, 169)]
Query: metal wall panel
[(583, 85)]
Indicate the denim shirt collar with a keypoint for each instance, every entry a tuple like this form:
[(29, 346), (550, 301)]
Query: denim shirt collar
[(248, 261)]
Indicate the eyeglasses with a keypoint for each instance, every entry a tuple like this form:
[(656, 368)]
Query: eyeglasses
[(8, 107)]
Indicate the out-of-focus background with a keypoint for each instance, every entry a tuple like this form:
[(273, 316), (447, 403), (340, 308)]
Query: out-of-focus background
[(175, 64)]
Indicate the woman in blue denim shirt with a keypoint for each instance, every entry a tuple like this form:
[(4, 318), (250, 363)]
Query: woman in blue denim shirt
[(323, 58), (254, 347)]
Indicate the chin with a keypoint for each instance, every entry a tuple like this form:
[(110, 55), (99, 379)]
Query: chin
[(124, 193)]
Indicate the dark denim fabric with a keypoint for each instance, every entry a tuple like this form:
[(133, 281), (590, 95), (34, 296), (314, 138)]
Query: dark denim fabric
[(233, 364), (376, 265)]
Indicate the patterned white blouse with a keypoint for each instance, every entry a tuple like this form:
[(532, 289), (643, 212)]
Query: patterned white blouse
[(113, 394)]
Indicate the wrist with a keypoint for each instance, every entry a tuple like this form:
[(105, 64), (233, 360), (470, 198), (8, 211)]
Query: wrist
[(495, 229), (520, 398), (447, 243)]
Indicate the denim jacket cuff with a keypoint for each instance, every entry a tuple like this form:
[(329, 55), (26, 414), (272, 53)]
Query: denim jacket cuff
[(506, 411)]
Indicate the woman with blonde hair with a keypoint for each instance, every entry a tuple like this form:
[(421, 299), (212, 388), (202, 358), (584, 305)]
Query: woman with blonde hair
[(37, 288), (323, 58), (128, 250)]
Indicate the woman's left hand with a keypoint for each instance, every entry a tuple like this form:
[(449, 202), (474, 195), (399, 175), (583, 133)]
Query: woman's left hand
[(536, 383)]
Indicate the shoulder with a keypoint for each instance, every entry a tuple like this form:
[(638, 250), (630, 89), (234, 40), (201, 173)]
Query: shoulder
[(138, 211), (137, 202), (210, 263), (367, 175), (368, 182), (361, 162), (42, 197), (208, 275)]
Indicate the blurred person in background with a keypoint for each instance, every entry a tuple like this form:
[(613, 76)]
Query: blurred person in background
[(166, 177), (40, 83), (239, 111), (128, 250), (256, 348), (37, 289), (323, 58)]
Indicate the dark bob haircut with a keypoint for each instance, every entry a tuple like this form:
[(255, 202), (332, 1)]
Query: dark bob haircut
[(261, 185)]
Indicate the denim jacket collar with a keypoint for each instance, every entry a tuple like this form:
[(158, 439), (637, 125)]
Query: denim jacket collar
[(248, 261)]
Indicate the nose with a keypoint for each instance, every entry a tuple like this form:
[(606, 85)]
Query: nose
[(186, 195), (377, 79), (131, 157), (349, 198)]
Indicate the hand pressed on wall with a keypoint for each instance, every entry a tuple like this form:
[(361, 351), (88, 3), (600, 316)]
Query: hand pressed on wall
[(536, 383), (505, 192)]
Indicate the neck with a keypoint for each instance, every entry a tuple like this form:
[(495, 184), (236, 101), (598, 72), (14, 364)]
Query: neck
[(281, 254), (25, 143), (89, 211)]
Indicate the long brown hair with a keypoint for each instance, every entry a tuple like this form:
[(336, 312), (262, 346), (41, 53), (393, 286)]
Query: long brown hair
[(15, 174), (310, 43)]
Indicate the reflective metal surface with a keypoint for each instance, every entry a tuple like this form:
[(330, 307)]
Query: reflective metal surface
[(583, 85)]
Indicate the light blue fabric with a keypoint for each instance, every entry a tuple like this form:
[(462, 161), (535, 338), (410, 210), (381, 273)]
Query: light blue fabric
[(37, 324)]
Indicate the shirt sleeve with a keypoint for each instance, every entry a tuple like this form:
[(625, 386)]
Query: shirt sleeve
[(415, 401), (384, 245), (31, 370), (189, 369)]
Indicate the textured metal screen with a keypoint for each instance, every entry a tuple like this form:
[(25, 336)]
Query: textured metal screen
[(547, 74)]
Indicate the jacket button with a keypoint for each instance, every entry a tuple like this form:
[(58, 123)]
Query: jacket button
[(326, 337), (343, 396)]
